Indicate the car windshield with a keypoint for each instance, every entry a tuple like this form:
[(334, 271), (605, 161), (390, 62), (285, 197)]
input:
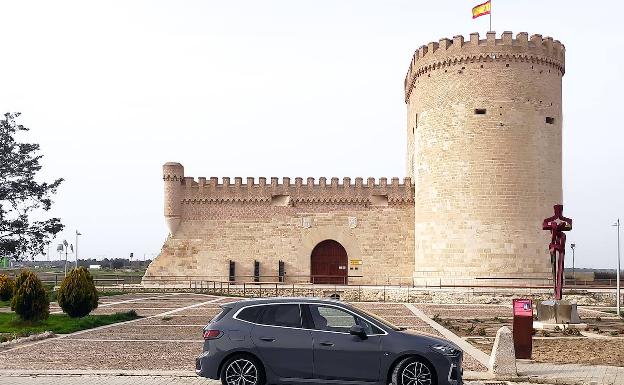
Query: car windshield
[(380, 320)]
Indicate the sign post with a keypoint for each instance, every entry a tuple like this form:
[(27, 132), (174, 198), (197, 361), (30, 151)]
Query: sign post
[(523, 327)]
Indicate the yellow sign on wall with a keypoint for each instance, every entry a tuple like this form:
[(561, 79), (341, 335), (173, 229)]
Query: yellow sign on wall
[(355, 262)]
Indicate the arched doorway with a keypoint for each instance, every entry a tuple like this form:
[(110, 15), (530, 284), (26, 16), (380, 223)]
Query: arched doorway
[(328, 263)]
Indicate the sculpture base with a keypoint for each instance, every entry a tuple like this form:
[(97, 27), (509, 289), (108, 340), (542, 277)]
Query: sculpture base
[(557, 312), (537, 325)]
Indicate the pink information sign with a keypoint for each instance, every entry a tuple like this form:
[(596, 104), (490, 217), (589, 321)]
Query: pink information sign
[(522, 308)]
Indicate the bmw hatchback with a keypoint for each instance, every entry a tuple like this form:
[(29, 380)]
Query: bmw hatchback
[(303, 340)]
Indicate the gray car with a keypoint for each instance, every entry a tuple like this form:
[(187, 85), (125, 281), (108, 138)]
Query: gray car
[(305, 340)]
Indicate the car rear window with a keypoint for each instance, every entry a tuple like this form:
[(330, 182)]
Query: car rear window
[(250, 314), (281, 315)]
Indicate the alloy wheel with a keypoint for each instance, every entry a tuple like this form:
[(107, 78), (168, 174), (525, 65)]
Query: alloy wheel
[(241, 372), (416, 373)]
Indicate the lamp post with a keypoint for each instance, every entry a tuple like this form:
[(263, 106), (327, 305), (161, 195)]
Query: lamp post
[(77, 234), (65, 246), (573, 245), (617, 274)]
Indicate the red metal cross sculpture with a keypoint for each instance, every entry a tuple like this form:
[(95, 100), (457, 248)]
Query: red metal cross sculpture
[(557, 224)]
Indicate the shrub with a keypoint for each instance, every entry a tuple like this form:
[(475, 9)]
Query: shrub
[(571, 332), (481, 331), (7, 287), (77, 295), (30, 301)]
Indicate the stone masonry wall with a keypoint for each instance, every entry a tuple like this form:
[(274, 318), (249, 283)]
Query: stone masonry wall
[(484, 150), (214, 223)]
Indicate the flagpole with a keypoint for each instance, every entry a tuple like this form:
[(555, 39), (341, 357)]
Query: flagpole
[(490, 15)]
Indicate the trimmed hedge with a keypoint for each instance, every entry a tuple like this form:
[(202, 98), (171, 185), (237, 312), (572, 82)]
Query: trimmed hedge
[(77, 295), (7, 287), (30, 301)]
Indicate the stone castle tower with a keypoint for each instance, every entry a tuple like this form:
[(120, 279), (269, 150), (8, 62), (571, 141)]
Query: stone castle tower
[(484, 150), (484, 165)]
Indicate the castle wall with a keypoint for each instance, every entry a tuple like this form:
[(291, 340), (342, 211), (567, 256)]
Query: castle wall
[(268, 222), (483, 182)]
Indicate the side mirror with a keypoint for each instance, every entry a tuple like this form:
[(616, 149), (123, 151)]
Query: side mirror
[(357, 330)]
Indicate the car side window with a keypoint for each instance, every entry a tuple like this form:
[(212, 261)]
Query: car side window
[(250, 314), (281, 315), (334, 319), (330, 318)]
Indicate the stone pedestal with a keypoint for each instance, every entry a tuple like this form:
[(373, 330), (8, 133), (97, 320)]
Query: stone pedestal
[(554, 314), (557, 312)]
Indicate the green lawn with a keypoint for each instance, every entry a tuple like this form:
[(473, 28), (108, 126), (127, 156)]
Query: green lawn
[(60, 323), (5, 303)]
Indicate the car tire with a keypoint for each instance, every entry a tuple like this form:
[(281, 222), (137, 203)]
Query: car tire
[(245, 368), (413, 368)]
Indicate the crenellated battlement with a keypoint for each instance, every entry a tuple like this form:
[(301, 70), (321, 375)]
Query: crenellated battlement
[(447, 52), (285, 191)]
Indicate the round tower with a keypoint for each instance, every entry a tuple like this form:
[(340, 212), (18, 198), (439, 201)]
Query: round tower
[(484, 149), (173, 175)]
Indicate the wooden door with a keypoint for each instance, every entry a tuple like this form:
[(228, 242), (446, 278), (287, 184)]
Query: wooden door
[(328, 263)]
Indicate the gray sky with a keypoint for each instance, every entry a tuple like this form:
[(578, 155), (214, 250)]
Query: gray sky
[(113, 89)]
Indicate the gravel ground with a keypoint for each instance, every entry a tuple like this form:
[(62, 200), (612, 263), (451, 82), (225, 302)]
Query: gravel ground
[(466, 312), (135, 331), (96, 355), (140, 311), (580, 351), (176, 319)]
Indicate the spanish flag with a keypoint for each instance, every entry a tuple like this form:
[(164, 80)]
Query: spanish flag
[(481, 9)]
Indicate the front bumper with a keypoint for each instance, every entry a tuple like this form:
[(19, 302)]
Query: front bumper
[(456, 370)]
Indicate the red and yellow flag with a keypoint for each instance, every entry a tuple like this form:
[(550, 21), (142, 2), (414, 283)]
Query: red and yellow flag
[(481, 9)]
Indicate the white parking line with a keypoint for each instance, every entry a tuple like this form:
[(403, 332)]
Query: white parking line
[(134, 340), (477, 354), (126, 301), (111, 325)]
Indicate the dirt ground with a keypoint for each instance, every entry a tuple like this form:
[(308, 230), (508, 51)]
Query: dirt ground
[(580, 351)]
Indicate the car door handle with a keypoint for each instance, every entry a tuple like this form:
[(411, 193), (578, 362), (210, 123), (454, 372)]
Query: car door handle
[(326, 344), (267, 339)]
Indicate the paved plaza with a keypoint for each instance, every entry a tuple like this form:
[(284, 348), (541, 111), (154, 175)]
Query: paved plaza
[(160, 347)]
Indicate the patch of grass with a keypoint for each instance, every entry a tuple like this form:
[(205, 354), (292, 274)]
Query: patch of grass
[(5, 303), (61, 323)]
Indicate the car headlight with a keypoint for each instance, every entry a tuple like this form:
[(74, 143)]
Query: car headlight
[(446, 350)]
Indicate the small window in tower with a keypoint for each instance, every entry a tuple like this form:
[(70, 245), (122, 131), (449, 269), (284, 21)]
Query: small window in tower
[(480, 111), (550, 120)]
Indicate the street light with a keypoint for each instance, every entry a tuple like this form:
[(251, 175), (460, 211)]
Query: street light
[(617, 275), (77, 234), (573, 245)]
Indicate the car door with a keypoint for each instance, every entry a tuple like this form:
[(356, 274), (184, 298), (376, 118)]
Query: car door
[(283, 345), (339, 355)]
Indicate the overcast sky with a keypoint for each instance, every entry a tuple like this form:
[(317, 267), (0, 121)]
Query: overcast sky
[(113, 89)]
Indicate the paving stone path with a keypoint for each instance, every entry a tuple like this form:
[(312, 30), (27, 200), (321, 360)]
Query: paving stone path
[(134, 379)]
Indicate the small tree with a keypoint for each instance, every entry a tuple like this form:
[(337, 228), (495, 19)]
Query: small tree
[(30, 301), (77, 295), (7, 287), (23, 199)]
